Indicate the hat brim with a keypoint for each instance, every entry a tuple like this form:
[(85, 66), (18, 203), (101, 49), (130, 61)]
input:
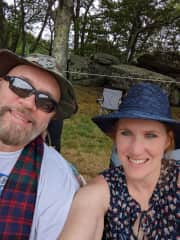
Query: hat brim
[(106, 122), (67, 105)]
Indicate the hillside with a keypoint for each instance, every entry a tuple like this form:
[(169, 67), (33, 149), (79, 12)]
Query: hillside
[(83, 143)]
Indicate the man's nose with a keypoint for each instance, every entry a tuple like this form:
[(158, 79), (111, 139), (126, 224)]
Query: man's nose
[(29, 102)]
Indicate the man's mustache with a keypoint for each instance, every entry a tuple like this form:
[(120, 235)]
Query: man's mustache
[(25, 112)]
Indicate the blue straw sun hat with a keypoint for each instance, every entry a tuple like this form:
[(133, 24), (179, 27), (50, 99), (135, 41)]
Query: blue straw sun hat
[(143, 101)]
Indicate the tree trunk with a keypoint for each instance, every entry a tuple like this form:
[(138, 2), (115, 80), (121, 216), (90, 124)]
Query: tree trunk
[(23, 32), (76, 27), (51, 28), (62, 27), (132, 45), (83, 28), (2, 25)]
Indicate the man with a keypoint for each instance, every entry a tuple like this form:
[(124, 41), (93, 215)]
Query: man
[(54, 130), (36, 183)]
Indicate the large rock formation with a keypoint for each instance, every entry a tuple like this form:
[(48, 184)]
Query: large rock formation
[(105, 70), (167, 63), (90, 71), (123, 76)]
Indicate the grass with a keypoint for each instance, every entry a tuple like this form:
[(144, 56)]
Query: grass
[(83, 144)]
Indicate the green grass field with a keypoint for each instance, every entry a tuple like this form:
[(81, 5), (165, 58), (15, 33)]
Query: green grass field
[(83, 144)]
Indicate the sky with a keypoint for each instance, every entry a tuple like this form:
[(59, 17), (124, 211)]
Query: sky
[(9, 1)]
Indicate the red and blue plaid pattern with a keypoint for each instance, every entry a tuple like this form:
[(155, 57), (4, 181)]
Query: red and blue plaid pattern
[(18, 198)]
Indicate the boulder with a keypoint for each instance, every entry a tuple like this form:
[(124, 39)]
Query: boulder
[(105, 59), (78, 67), (86, 71), (124, 76), (167, 63)]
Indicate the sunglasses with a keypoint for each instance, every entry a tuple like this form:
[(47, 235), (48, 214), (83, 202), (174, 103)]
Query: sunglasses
[(24, 89)]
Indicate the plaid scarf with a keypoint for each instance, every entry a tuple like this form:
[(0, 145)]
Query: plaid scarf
[(18, 198)]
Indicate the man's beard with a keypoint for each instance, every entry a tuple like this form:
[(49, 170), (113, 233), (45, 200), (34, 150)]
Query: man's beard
[(16, 135)]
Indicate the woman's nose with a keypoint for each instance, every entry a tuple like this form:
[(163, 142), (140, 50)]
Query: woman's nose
[(137, 146)]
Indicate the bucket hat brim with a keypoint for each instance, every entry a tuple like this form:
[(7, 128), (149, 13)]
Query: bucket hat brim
[(67, 105), (106, 122)]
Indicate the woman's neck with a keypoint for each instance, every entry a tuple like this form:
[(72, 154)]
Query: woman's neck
[(141, 190)]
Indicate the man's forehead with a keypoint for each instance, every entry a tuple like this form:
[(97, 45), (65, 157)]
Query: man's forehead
[(28, 69), (35, 76)]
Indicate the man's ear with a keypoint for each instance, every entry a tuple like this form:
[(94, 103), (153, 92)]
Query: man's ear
[(53, 116)]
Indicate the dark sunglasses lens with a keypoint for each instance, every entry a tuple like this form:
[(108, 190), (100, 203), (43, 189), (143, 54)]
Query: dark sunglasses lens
[(23, 89), (45, 103), (20, 87)]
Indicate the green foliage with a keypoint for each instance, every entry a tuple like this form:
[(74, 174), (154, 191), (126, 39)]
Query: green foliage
[(124, 28), (41, 48), (133, 27), (19, 22)]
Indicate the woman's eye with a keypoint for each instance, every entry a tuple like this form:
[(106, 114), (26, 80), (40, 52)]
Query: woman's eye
[(125, 133), (150, 135)]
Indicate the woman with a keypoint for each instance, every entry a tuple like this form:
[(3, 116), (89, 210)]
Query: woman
[(140, 199)]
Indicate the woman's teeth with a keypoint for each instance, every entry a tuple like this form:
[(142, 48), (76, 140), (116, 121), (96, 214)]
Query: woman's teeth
[(137, 161)]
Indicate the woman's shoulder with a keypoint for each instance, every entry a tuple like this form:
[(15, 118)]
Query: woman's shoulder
[(170, 163), (173, 165), (177, 163), (170, 176), (99, 185), (95, 194)]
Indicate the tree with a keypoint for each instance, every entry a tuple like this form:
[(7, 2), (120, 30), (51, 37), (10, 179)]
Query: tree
[(2, 24), (21, 19), (125, 28), (62, 28), (80, 21), (134, 22), (47, 18)]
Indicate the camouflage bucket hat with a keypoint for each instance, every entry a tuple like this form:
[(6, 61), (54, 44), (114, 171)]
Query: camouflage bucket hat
[(68, 104)]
